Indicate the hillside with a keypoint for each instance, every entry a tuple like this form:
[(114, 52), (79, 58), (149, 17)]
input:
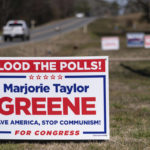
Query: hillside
[(129, 85)]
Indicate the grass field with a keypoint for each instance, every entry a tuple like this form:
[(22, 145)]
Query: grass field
[(129, 90)]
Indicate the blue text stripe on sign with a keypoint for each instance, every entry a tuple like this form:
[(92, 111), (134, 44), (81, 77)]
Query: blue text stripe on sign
[(104, 86), (5, 132), (14, 77)]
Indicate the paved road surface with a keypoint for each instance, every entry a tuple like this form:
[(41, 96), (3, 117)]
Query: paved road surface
[(49, 31)]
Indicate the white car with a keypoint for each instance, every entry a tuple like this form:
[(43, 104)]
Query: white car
[(16, 29), (80, 15)]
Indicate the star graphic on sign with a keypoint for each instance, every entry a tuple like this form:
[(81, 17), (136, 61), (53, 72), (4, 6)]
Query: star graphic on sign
[(31, 77), (45, 77), (38, 77), (53, 77), (60, 77)]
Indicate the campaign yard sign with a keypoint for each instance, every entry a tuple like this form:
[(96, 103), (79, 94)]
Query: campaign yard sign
[(147, 41), (54, 98), (110, 43), (135, 40)]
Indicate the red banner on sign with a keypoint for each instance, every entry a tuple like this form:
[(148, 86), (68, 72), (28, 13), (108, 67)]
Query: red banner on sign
[(47, 66)]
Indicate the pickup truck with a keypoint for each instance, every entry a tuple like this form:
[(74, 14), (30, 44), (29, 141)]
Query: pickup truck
[(16, 29)]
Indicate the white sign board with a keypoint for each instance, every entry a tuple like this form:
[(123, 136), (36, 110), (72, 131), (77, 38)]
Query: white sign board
[(147, 41), (54, 98), (110, 43)]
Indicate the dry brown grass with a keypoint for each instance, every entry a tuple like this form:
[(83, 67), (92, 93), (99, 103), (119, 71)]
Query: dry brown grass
[(134, 17), (73, 44), (129, 93)]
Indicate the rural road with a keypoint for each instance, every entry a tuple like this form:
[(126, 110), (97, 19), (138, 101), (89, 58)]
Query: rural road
[(48, 31)]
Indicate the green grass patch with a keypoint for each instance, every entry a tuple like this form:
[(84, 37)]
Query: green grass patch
[(118, 106), (141, 134), (93, 147)]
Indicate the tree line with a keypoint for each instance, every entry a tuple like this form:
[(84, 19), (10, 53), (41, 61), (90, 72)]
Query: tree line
[(43, 11), (39, 10), (134, 6)]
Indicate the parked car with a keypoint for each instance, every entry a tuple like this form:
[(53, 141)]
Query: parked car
[(16, 29)]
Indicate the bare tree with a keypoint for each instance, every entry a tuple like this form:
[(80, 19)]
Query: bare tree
[(139, 5), (145, 5), (62, 8), (5, 11)]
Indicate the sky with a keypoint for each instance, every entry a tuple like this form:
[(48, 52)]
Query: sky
[(121, 2)]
